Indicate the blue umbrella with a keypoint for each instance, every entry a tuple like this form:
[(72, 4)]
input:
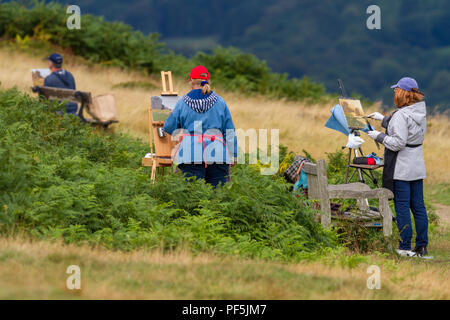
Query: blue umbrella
[(338, 121)]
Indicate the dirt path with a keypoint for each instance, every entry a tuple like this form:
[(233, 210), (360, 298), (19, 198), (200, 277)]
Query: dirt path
[(443, 212)]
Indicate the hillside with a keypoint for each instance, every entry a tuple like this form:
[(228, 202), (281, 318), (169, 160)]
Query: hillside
[(71, 194), (35, 24), (62, 179), (323, 40), (301, 124), (71, 173)]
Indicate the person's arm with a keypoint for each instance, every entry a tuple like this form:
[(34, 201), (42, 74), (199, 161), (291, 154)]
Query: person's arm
[(230, 133), (378, 116), (173, 121), (48, 81), (74, 86), (398, 133)]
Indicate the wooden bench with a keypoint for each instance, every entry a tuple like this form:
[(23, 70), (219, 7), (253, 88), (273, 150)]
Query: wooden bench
[(318, 188), (82, 97), (161, 148)]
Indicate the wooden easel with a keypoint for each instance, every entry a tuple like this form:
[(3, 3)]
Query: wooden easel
[(166, 92), (354, 108), (160, 147)]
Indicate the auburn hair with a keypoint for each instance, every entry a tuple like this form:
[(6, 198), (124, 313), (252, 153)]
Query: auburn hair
[(206, 88), (403, 98)]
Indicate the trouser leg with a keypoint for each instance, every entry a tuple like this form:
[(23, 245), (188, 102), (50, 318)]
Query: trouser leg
[(193, 170), (217, 174), (402, 198), (419, 212), (72, 108)]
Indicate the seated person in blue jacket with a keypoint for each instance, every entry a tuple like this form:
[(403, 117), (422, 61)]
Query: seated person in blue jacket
[(60, 78), (202, 120)]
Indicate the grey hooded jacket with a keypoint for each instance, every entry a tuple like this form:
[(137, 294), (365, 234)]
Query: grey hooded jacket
[(407, 126)]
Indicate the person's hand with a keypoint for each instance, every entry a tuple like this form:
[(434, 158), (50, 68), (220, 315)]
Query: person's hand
[(373, 134), (376, 116)]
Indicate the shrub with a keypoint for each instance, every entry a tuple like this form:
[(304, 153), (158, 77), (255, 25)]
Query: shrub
[(110, 43), (117, 44), (60, 178), (238, 71)]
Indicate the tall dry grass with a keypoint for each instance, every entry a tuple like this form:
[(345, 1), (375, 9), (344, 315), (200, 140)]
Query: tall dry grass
[(301, 124), (37, 270)]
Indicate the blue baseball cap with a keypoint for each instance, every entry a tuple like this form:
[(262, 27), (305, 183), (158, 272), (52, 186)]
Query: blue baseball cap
[(56, 58), (406, 84)]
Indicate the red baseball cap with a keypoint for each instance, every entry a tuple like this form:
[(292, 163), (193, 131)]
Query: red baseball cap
[(199, 72)]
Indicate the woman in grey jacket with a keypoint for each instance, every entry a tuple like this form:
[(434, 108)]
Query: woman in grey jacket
[(404, 168)]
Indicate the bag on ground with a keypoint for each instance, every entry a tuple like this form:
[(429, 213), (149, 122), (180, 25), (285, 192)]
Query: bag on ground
[(291, 174), (104, 108)]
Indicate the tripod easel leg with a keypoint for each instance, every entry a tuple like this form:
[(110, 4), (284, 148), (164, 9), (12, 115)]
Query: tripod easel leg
[(347, 169), (153, 175), (360, 175), (374, 180)]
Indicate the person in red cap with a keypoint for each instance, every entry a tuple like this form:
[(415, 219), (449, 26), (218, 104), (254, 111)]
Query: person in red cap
[(202, 119)]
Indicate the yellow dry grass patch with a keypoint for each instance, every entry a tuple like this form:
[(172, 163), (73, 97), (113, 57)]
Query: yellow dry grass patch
[(37, 270), (301, 124)]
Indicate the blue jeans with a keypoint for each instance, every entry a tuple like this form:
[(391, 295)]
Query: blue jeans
[(72, 108), (408, 195), (214, 174)]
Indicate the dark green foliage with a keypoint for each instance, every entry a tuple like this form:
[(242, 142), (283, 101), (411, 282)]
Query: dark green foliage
[(117, 44), (98, 41), (59, 178), (238, 71), (324, 40), (361, 239)]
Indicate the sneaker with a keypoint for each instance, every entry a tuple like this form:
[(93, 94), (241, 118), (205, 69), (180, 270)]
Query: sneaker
[(421, 251), (406, 253)]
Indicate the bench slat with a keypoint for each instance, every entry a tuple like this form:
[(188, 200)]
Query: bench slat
[(65, 94)]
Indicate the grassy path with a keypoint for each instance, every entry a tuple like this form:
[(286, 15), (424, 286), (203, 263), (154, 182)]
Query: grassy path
[(37, 270), (443, 212)]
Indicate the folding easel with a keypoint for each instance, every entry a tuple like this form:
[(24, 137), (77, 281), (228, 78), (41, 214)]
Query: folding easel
[(356, 127), (166, 92), (161, 146)]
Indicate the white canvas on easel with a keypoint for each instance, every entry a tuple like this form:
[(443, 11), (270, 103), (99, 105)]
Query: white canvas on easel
[(38, 76), (353, 111)]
